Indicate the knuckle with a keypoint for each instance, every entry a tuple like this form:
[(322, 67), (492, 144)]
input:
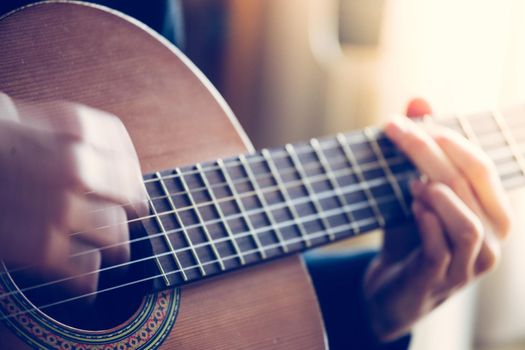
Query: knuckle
[(439, 260), (116, 121), (460, 279), (442, 137), (488, 260), (69, 120), (458, 184), (74, 166), (471, 234), (436, 190)]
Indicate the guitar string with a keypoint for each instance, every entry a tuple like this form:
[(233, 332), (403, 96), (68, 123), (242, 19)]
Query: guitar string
[(311, 165), (283, 224), (352, 188), (223, 199), (299, 239), (255, 158)]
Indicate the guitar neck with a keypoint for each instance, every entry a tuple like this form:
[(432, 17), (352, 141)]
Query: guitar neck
[(218, 216)]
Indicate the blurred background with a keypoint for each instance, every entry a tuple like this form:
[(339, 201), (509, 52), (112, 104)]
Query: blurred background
[(294, 69)]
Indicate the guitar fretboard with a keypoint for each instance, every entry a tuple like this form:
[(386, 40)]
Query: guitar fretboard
[(217, 216)]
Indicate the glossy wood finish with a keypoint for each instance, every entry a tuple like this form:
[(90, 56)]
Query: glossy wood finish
[(80, 53)]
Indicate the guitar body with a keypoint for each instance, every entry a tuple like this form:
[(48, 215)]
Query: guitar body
[(87, 54)]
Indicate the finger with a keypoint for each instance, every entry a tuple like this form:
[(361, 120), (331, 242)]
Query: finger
[(53, 252), (109, 177), (489, 255), (85, 262), (429, 158), (417, 108), (435, 250), (479, 170), (80, 122), (463, 229), (100, 224), (421, 149)]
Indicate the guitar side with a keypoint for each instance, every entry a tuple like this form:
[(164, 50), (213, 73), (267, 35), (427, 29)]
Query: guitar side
[(86, 54)]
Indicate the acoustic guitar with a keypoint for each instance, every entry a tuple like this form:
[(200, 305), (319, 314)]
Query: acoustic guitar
[(217, 206)]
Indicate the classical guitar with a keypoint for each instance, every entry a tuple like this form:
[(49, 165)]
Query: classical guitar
[(187, 285)]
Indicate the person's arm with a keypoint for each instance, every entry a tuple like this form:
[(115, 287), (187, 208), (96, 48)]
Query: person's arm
[(60, 164)]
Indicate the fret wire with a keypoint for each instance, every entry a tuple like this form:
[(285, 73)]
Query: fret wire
[(372, 165), (313, 217), (165, 235), (221, 214), (187, 237), (318, 234), (352, 206), (259, 194), (348, 189), (316, 145), (299, 239), (266, 155), (509, 139), (386, 169), (311, 193), (361, 178), (159, 221), (199, 217), (397, 160), (467, 129), (241, 207)]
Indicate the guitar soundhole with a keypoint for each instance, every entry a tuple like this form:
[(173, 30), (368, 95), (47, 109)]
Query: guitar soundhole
[(109, 308)]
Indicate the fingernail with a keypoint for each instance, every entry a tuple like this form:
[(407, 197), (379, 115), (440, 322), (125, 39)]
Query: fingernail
[(416, 187), (396, 128)]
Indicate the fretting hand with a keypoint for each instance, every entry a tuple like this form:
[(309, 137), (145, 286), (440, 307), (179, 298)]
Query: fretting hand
[(461, 216), (69, 175)]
